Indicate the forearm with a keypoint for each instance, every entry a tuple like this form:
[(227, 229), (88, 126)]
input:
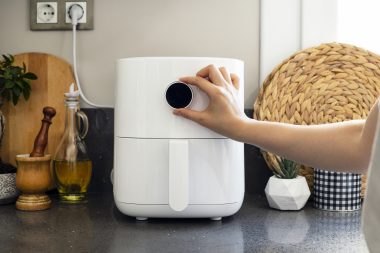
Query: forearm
[(343, 146), (330, 146)]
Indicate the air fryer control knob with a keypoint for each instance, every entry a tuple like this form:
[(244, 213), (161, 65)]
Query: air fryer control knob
[(179, 95)]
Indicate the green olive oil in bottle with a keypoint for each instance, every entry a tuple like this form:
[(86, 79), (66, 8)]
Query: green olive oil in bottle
[(72, 167)]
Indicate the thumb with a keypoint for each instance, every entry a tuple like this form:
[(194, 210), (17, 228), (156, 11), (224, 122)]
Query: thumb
[(189, 114)]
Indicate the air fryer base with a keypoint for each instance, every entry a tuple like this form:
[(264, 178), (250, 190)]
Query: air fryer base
[(141, 212)]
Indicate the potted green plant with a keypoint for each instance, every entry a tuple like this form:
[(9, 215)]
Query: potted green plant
[(14, 80), (14, 83), (286, 190)]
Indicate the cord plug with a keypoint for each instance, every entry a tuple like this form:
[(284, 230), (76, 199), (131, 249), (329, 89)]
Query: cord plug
[(76, 12)]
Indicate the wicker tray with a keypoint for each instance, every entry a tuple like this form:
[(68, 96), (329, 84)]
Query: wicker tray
[(329, 83)]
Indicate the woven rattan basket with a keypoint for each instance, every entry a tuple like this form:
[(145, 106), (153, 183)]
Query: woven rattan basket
[(329, 83)]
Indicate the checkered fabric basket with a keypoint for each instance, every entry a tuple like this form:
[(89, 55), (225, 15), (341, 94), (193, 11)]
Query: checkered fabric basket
[(336, 191)]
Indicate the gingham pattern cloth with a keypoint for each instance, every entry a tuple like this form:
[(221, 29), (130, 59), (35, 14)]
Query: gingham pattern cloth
[(336, 191)]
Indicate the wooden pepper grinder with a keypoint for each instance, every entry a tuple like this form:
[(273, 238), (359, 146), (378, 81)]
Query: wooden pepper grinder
[(33, 170), (42, 137)]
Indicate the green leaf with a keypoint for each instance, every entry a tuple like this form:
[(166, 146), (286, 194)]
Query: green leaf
[(26, 94), (6, 58), (289, 169), (30, 76), (15, 95), (26, 85), (20, 84), (23, 67), (17, 91), (14, 99), (7, 74), (9, 84), (16, 71)]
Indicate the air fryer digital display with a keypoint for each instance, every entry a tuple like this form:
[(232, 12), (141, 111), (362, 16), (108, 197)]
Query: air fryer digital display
[(179, 95)]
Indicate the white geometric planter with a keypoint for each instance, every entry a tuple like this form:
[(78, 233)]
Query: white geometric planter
[(287, 194)]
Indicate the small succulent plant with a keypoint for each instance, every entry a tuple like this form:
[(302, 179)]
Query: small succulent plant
[(14, 80), (285, 169)]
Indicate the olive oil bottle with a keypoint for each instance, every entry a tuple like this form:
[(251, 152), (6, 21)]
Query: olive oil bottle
[(72, 169), (72, 178)]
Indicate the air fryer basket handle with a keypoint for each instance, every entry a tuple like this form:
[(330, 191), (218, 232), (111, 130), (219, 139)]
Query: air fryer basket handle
[(178, 174)]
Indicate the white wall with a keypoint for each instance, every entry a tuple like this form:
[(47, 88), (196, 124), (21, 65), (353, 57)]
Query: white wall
[(280, 33), (288, 26), (358, 23), (125, 28)]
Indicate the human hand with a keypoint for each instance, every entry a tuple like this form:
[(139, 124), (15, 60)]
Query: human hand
[(223, 111)]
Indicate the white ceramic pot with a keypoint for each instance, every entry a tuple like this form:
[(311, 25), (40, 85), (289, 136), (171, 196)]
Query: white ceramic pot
[(287, 194)]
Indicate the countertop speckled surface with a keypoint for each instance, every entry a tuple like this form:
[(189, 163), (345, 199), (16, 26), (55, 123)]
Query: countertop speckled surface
[(98, 226)]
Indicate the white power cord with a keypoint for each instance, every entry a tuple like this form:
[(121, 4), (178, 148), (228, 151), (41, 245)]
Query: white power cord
[(76, 12)]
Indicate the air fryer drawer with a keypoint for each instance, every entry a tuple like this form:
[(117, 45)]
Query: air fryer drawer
[(216, 171)]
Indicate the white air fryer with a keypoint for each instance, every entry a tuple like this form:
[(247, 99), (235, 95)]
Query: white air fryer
[(166, 166)]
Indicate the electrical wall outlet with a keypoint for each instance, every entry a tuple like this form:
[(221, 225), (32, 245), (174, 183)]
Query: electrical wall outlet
[(54, 15), (47, 12)]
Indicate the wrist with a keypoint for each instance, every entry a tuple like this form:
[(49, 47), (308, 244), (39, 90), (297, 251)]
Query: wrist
[(239, 127)]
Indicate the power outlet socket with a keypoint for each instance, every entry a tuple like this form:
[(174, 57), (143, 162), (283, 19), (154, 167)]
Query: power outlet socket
[(47, 12), (53, 15)]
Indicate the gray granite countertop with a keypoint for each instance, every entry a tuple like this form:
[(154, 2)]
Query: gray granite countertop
[(97, 226)]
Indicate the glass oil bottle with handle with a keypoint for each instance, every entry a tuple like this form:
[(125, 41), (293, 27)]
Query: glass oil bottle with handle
[(72, 167)]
